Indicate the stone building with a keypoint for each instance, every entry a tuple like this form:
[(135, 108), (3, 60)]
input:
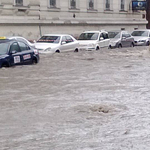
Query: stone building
[(32, 18)]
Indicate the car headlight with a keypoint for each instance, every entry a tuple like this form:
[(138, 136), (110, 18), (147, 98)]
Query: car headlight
[(48, 49)]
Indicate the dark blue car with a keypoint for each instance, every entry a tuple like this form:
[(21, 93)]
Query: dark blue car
[(14, 52)]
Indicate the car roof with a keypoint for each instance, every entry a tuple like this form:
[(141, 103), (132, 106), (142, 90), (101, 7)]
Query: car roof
[(6, 40), (142, 30), (96, 31), (56, 35)]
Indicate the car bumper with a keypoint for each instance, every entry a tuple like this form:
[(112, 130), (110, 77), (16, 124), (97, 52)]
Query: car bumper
[(139, 43), (86, 48), (113, 46)]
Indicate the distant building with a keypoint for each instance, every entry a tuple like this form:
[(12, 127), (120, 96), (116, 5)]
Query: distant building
[(31, 18)]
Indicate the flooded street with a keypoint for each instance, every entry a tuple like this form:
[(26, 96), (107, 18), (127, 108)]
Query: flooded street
[(90, 100)]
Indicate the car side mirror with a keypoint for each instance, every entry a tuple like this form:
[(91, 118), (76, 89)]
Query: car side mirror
[(101, 38), (62, 43), (13, 52)]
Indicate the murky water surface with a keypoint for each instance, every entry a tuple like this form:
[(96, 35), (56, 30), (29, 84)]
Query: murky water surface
[(97, 100)]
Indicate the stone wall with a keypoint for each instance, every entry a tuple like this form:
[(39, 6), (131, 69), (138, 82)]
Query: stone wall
[(35, 18)]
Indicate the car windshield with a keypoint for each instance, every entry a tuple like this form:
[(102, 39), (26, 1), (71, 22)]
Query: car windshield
[(49, 39), (113, 35), (4, 48), (140, 33), (88, 36)]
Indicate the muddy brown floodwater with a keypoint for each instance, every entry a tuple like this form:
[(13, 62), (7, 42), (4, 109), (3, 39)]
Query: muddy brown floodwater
[(90, 100)]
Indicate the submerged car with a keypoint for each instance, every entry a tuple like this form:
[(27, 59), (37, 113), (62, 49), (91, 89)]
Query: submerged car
[(14, 52), (93, 40), (120, 39), (141, 37), (51, 43)]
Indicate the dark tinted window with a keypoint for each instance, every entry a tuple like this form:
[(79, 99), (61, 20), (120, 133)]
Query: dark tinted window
[(139, 33), (101, 36), (112, 34), (105, 35), (88, 36), (49, 39), (14, 47)]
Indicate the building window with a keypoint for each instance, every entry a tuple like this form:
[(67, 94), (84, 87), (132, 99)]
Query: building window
[(73, 4), (52, 3), (91, 4), (107, 5), (122, 6), (19, 2)]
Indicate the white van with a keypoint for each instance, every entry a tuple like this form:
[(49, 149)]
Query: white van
[(93, 40)]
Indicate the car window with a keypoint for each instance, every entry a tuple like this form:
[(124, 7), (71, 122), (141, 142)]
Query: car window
[(88, 36), (140, 33), (113, 34), (14, 47), (128, 35), (124, 35), (23, 46), (4, 48), (101, 36), (64, 39), (69, 39), (105, 35), (49, 39)]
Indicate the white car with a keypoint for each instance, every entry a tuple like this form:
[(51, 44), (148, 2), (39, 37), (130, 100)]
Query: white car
[(51, 43), (22, 39), (141, 37), (93, 40)]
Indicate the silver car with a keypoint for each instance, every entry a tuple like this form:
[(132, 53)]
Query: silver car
[(141, 37), (120, 39)]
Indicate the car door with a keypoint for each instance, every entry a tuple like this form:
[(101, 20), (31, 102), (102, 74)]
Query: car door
[(101, 41), (71, 43), (129, 39), (27, 53), (66, 43), (124, 40), (15, 54), (106, 39)]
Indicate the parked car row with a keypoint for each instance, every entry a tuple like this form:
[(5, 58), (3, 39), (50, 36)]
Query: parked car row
[(17, 50), (92, 40)]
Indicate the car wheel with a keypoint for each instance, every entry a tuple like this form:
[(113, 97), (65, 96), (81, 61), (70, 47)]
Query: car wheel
[(34, 61), (119, 46), (5, 65), (109, 47), (76, 50), (132, 44), (97, 48), (147, 44), (57, 51)]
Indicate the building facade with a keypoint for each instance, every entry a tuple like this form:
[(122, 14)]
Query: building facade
[(33, 18)]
